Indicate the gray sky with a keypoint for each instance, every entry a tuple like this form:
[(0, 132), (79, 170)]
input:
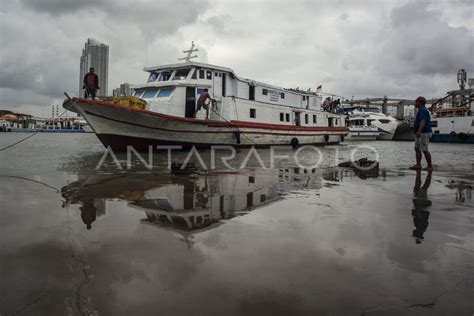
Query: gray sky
[(353, 48)]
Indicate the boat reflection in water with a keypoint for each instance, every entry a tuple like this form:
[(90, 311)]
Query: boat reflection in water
[(193, 202)]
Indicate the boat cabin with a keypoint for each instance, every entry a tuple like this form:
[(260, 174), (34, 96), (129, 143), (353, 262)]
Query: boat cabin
[(174, 90)]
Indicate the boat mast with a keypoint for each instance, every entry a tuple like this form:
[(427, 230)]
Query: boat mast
[(189, 52)]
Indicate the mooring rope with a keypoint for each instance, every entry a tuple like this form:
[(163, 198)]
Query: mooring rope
[(232, 124)]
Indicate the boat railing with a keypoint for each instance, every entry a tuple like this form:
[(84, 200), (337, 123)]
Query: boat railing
[(454, 102)]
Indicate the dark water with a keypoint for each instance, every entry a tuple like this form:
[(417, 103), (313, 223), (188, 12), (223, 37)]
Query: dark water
[(274, 241)]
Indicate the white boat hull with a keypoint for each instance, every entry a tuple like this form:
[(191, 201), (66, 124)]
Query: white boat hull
[(363, 133), (458, 129), (362, 136), (119, 127)]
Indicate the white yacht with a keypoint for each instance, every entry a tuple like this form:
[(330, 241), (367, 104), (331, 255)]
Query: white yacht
[(246, 112), (371, 124)]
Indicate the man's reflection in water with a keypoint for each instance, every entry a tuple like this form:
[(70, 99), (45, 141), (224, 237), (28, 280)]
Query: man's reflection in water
[(420, 204), (88, 212)]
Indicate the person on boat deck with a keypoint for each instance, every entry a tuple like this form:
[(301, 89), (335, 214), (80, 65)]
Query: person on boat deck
[(90, 84), (202, 103), (423, 132), (337, 104), (326, 104)]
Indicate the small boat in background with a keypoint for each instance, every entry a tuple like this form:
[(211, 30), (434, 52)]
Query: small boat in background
[(366, 123), (359, 129), (66, 125)]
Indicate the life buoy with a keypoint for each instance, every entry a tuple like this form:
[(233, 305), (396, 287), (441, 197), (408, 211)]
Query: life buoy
[(453, 133), (294, 142), (326, 138), (462, 136)]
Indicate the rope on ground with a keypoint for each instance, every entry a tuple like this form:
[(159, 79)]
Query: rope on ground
[(37, 131), (21, 140), (31, 180)]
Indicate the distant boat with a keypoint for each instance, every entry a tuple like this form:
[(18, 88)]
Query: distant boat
[(366, 123), (60, 125), (246, 112), (17, 122), (452, 118)]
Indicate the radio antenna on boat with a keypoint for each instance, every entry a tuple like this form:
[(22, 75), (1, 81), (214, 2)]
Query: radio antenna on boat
[(189, 52)]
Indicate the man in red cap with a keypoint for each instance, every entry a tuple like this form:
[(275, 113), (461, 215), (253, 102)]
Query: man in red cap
[(422, 129)]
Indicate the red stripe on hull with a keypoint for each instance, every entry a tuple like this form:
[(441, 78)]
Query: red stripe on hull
[(213, 123)]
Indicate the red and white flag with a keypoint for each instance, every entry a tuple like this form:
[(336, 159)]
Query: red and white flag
[(319, 88)]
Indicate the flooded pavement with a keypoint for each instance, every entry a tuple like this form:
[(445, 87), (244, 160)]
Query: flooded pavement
[(277, 241)]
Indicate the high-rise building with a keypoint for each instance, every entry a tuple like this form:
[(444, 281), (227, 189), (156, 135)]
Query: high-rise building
[(123, 90), (95, 54)]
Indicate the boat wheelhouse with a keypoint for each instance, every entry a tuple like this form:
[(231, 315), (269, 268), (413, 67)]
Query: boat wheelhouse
[(245, 112)]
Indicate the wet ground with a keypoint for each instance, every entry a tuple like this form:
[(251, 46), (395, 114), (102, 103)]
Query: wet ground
[(276, 241)]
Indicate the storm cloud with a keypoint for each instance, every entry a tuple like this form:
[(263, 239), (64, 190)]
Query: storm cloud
[(353, 48)]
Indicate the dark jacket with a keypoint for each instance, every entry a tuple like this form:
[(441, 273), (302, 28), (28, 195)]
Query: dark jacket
[(91, 81)]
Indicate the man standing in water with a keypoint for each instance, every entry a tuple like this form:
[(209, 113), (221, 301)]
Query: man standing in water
[(90, 84), (422, 129)]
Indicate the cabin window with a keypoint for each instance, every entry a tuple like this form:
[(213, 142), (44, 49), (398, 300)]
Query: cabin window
[(250, 199), (165, 92), (298, 118), (138, 93), (282, 95), (304, 98), (306, 119), (209, 75), (330, 121), (165, 76), (287, 117), (369, 122), (384, 121), (253, 113), (315, 119), (194, 76), (251, 92), (199, 91), (153, 76), (150, 93), (264, 91), (434, 123), (201, 73), (223, 85), (181, 74), (282, 117)]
